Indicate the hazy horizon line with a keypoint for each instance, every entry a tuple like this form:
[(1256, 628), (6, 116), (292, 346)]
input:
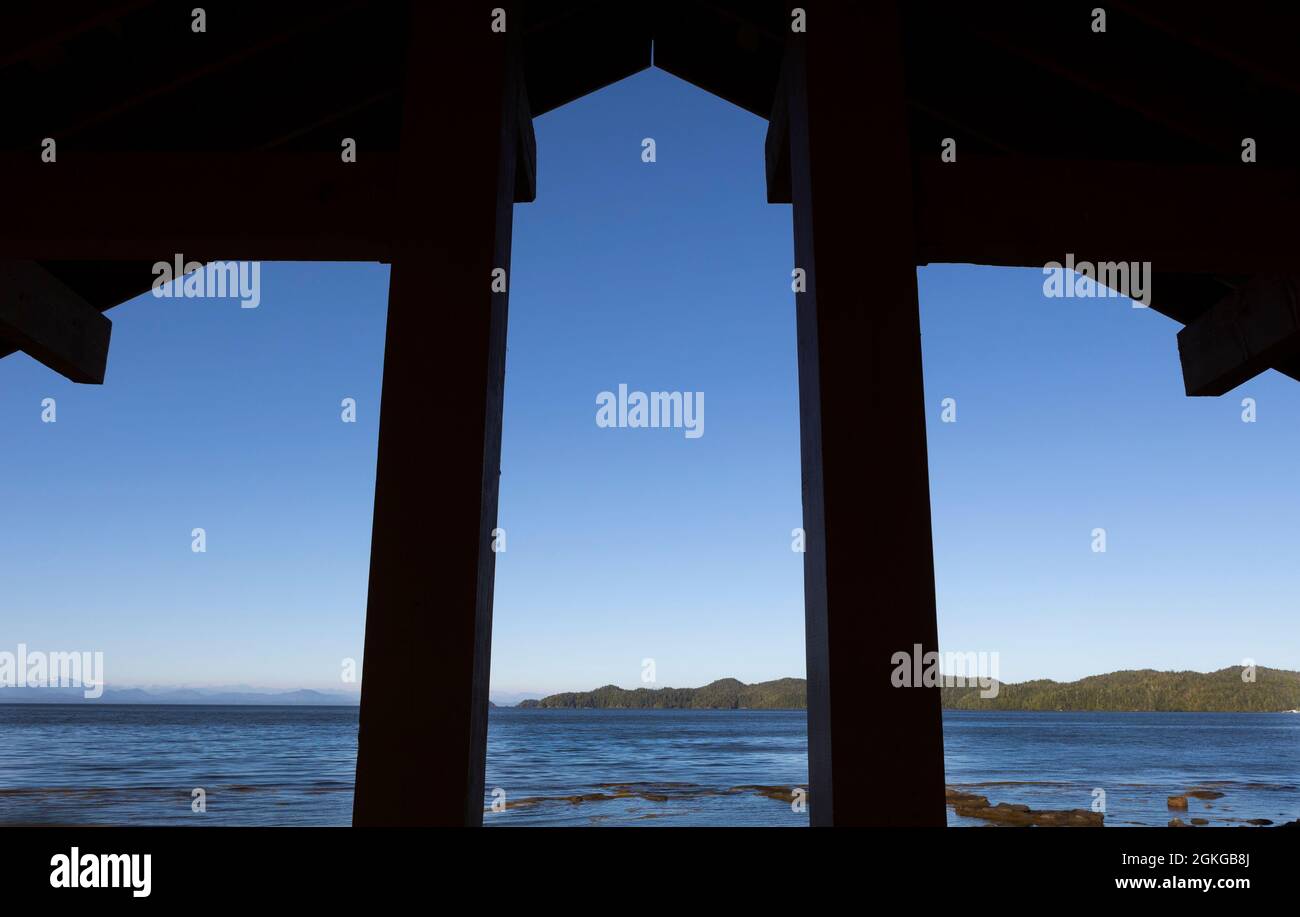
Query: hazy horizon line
[(513, 694)]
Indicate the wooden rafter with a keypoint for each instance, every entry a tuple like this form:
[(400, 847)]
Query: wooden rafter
[(40, 315), (1246, 332)]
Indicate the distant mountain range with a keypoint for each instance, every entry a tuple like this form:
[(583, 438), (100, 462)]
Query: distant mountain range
[(220, 697), (1129, 691)]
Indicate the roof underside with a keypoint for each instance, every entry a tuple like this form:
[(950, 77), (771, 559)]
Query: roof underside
[(1167, 82)]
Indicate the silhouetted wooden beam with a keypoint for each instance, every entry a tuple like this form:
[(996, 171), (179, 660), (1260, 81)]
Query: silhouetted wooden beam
[(776, 150), (331, 117), (735, 54), (1242, 335), (424, 704), (869, 564), (42, 317), (525, 149), (572, 52), (1232, 33), (238, 206), (960, 126), (1173, 111), (1026, 211), (39, 29), (1231, 218), (258, 42)]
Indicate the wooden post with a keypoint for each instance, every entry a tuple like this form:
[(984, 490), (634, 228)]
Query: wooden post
[(424, 705), (875, 751)]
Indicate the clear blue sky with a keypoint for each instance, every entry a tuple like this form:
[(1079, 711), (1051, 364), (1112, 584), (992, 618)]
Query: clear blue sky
[(627, 544)]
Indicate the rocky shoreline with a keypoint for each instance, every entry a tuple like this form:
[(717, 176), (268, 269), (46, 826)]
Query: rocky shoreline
[(972, 805), (964, 803)]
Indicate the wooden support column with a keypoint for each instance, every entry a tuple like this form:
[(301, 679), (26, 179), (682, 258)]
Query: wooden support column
[(424, 704), (875, 751), (39, 314)]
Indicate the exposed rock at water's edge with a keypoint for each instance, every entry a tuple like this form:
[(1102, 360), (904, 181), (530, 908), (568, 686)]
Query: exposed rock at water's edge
[(972, 805)]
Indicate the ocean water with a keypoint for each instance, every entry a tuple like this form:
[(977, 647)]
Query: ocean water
[(84, 764), (1058, 760), (646, 767), (127, 765)]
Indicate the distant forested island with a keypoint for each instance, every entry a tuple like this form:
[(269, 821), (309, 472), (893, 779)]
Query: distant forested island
[(1223, 691), (723, 694)]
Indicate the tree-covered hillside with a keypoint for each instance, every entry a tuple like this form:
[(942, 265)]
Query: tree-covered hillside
[(724, 694), (1145, 689)]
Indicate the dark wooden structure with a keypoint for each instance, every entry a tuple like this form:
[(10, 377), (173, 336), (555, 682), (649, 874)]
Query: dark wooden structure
[(1123, 144)]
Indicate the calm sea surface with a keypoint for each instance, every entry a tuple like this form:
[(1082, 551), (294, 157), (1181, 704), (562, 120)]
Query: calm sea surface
[(294, 765)]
